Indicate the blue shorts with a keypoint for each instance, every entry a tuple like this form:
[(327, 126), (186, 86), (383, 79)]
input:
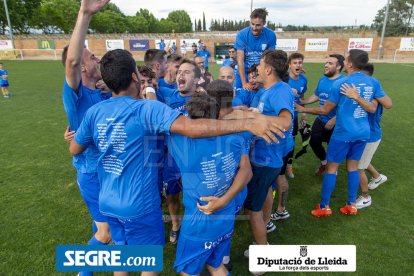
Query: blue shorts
[(338, 150), (258, 186), (172, 176), (192, 255), (145, 230), (88, 184), (4, 84)]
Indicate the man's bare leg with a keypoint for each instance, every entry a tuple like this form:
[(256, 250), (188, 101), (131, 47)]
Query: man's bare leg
[(268, 206), (373, 172), (219, 271), (173, 203), (257, 226)]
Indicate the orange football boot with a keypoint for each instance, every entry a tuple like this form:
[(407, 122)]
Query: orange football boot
[(322, 212)]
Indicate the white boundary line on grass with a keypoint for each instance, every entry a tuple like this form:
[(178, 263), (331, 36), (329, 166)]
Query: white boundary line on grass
[(407, 65)]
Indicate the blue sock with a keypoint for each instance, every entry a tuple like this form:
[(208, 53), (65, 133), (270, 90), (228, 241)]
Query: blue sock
[(94, 241), (229, 274), (86, 273), (94, 228), (353, 184), (328, 186)]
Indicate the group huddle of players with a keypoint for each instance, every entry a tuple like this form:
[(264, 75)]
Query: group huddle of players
[(166, 127)]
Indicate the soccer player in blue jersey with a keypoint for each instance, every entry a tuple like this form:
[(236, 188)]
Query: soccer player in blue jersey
[(161, 44), (132, 206), (244, 98), (214, 171), (4, 81), (206, 56), (351, 130), (157, 61), (250, 43), (374, 140), (231, 61), (299, 84), (79, 94), (323, 126), (277, 101), (169, 81)]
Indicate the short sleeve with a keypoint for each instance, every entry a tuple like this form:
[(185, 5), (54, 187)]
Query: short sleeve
[(240, 44), (156, 116), (70, 97), (278, 102), (165, 93), (208, 54), (334, 93), (379, 92), (317, 89), (84, 135), (305, 87), (272, 43)]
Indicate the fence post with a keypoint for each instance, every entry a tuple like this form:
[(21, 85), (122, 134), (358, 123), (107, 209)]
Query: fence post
[(395, 55), (21, 53), (344, 52), (55, 54)]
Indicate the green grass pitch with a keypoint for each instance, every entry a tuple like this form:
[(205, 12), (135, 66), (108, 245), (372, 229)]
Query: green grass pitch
[(41, 205)]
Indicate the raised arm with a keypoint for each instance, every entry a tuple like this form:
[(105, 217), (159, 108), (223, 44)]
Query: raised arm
[(243, 176), (73, 66), (204, 128)]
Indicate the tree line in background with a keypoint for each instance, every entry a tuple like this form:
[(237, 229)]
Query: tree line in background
[(59, 16)]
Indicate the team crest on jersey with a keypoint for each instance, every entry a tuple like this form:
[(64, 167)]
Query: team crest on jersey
[(264, 46)]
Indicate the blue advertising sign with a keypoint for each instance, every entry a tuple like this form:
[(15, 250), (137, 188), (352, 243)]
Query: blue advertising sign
[(138, 45), (109, 258)]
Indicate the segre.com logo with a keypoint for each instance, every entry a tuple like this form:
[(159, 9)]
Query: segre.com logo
[(109, 258)]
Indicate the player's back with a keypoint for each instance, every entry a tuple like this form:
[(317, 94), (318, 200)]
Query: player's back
[(208, 168), (352, 120), (124, 130)]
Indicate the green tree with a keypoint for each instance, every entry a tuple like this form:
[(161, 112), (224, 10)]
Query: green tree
[(150, 18), (166, 26), (137, 24), (212, 25), (23, 14), (195, 25), (204, 23), (112, 7), (199, 26), (398, 20), (182, 21), (109, 22), (56, 15)]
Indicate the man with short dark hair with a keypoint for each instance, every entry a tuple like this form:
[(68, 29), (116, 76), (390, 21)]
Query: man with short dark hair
[(351, 130), (231, 61), (174, 48), (169, 81), (276, 101), (374, 140), (323, 126), (205, 77), (157, 61), (299, 84), (244, 98), (161, 44), (205, 55), (79, 94), (250, 43)]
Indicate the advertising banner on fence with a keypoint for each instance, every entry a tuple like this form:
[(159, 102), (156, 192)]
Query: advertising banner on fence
[(407, 44), (287, 44), (138, 45), (360, 43), (114, 44), (316, 44), (46, 44), (5, 45)]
